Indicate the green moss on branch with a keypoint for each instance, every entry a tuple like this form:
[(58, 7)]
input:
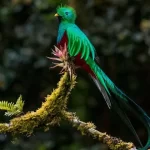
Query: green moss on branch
[(89, 129), (53, 110), (48, 114)]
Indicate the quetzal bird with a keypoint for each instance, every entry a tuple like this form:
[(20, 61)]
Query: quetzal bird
[(83, 53)]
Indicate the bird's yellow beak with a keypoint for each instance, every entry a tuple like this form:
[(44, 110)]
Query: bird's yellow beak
[(56, 15)]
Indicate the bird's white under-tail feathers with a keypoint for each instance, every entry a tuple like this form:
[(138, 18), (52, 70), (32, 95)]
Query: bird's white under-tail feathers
[(103, 91)]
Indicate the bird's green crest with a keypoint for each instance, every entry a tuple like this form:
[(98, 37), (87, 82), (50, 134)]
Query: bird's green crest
[(66, 12), (65, 7)]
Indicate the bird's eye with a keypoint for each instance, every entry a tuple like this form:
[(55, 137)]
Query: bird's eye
[(66, 13)]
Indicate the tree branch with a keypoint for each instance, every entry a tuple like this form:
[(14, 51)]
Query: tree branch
[(49, 113), (53, 110), (90, 129)]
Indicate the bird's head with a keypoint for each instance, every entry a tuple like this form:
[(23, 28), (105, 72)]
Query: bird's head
[(66, 13)]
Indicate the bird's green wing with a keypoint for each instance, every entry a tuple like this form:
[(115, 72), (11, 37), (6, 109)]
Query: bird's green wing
[(79, 43)]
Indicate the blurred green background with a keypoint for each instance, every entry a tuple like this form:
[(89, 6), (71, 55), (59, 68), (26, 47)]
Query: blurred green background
[(120, 32)]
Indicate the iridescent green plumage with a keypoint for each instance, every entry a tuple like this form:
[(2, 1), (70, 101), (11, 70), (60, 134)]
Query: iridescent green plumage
[(79, 43), (83, 52)]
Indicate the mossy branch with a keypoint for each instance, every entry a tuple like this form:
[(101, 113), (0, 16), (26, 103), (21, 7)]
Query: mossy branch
[(53, 110), (48, 114), (90, 129)]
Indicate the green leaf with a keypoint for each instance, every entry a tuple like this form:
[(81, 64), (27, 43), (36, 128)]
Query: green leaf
[(11, 108)]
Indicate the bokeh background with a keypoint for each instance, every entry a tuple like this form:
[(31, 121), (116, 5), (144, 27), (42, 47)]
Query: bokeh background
[(120, 32)]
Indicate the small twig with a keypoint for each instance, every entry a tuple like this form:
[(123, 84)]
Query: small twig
[(90, 129)]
